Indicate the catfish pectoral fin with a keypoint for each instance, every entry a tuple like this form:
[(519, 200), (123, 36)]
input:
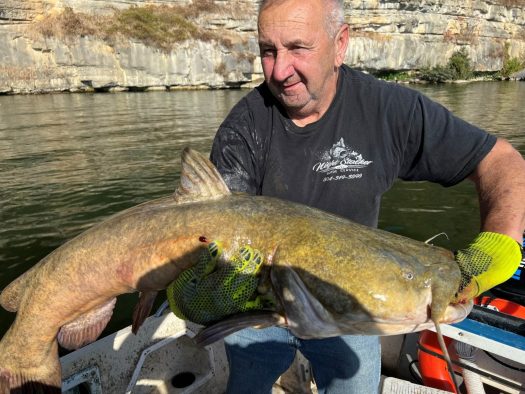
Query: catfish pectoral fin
[(86, 328), (306, 316), (223, 328), (143, 309)]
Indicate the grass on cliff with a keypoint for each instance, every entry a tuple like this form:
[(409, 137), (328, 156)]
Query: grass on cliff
[(153, 26), (512, 3), (157, 26)]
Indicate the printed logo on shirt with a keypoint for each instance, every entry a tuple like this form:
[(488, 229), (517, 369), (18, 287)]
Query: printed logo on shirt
[(341, 162)]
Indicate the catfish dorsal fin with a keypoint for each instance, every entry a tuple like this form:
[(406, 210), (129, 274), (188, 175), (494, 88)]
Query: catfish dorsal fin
[(199, 179)]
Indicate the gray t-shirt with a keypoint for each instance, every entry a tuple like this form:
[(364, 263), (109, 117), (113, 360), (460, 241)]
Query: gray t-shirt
[(372, 133)]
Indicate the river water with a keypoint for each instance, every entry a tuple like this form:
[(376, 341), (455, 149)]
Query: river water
[(69, 160)]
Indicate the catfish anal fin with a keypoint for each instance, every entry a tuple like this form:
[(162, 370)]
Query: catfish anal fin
[(86, 328), (143, 309), (219, 330)]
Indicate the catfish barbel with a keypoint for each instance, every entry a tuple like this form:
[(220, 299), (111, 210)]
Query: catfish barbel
[(331, 276)]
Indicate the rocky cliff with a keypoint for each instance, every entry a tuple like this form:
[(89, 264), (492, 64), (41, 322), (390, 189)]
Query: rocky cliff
[(386, 35)]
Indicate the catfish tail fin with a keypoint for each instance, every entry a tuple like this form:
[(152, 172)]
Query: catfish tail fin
[(258, 319), (4, 382), (22, 373), (19, 383)]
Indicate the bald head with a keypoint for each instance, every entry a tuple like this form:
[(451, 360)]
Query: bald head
[(334, 12)]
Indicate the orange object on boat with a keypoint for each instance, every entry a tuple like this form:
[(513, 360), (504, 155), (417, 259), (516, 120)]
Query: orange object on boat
[(434, 370), (501, 305)]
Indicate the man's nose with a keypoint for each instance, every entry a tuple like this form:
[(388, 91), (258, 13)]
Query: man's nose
[(283, 67)]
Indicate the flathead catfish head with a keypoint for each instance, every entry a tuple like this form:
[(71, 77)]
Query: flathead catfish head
[(345, 278), (315, 308)]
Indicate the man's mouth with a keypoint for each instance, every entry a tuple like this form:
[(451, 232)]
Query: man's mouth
[(290, 87)]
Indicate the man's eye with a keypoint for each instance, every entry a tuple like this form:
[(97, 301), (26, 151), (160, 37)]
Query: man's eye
[(299, 49), (268, 52)]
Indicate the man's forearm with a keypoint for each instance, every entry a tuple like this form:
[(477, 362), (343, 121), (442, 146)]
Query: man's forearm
[(500, 181)]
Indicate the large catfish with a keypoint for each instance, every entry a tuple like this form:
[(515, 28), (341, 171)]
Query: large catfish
[(331, 276)]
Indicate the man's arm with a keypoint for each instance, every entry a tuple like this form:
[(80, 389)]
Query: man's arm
[(495, 253), (500, 181)]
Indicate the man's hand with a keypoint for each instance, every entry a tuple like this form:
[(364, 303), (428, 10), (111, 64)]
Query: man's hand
[(215, 288), (489, 260)]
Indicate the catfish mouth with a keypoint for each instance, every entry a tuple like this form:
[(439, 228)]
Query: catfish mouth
[(454, 313)]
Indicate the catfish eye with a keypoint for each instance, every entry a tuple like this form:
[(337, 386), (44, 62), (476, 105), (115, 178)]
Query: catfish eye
[(408, 275)]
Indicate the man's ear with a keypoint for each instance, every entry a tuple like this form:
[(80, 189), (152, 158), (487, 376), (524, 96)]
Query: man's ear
[(341, 43)]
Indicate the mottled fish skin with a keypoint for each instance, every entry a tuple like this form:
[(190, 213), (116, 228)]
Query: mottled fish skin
[(360, 279)]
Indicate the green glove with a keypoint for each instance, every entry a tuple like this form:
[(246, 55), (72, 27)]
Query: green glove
[(215, 288), (489, 260)]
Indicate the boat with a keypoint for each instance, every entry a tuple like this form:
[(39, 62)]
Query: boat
[(488, 346), (162, 358)]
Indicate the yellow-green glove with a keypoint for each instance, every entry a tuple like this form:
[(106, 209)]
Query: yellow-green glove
[(186, 287), (489, 260), (215, 288)]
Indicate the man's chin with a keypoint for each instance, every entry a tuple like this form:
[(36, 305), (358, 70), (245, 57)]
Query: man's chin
[(293, 102)]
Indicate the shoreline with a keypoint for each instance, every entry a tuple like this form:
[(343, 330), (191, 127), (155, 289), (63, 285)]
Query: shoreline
[(114, 88)]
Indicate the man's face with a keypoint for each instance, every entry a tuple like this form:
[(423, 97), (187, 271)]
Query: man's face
[(299, 58)]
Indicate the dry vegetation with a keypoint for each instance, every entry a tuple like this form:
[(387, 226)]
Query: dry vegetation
[(513, 3), (372, 35), (158, 26), (30, 74), (10, 73)]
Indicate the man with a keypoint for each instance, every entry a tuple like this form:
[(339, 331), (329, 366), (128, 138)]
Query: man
[(319, 133)]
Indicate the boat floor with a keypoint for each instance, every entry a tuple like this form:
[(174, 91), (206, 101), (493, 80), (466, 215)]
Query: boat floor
[(162, 358)]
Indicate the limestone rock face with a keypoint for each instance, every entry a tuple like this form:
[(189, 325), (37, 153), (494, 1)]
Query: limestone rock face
[(413, 34), (385, 35)]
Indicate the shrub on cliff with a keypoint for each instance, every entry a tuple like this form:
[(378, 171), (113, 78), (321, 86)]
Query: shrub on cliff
[(459, 64), (457, 68), (511, 65), (436, 74)]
